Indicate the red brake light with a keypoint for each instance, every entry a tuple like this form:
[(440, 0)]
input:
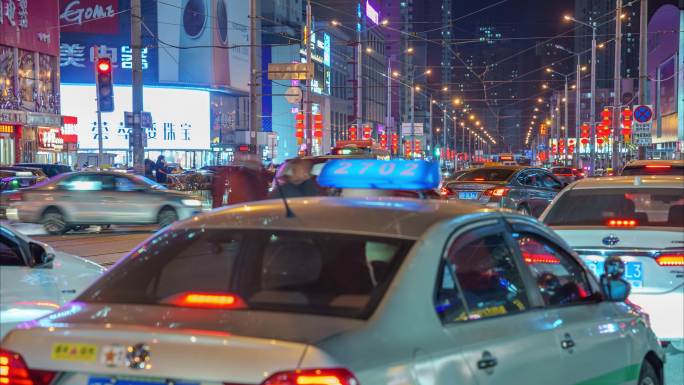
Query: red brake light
[(496, 192), (622, 223), (445, 191), (658, 166), (479, 179), (207, 300), (13, 371), (333, 376), (675, 259), (15, 197), (531, 258)]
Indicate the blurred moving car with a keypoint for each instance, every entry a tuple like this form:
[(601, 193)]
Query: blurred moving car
[(654, 167), (36, 280), (640, 219), (49, 169), (527, 190), (345, 292), (566, 175), (13, 178), (99, 198)]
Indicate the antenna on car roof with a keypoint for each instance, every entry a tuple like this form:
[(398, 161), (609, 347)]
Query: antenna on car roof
[(288, 211)]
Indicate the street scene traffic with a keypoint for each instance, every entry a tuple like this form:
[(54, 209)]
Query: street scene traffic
[(341, 192)]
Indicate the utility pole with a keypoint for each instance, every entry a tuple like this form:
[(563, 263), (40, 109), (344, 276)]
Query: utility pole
[(253, 78), (643, 62), (307, 95), (413, 121), (444, 138), (592, 113), (578, 120), (617, 99), (388, 131), (432, 130), (567, 128), (137, 82), (359, 74)]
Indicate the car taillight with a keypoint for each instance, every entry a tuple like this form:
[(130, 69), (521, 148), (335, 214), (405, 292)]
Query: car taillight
[(13, 371), (622, 223), (15, 197), (496, 192), (658, 166), (445, 191), (206, 300), (670, 259), (333, 376)]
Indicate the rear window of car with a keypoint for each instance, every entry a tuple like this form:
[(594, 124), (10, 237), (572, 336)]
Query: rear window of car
[(655, 169), (487, 174), (660, 207), (285, 271), (562, 170)]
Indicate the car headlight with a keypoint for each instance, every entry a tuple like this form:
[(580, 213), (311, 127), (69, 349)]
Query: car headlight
[(191, 202)]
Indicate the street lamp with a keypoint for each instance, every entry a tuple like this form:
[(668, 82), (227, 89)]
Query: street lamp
[(577, 87), (565, 99), (592, 114)]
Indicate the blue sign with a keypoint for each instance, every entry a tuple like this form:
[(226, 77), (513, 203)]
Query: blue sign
[(380, 174), (643, 114)]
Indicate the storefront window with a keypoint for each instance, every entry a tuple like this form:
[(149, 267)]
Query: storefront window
[(46, 97), (27, 78), (7, 73)]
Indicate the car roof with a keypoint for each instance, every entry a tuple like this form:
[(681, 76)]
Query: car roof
[(381, 216), (640, 163), (672, 181)]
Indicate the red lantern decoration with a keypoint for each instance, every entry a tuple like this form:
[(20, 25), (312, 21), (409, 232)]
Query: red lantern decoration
[(318, 126)]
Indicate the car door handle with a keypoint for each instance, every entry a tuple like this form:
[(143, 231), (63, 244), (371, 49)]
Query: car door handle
[(108, 198), (487, 361), (69, 291)]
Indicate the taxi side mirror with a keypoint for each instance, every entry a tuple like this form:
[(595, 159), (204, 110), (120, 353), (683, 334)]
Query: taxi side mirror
[(615, 288), (40, 256)]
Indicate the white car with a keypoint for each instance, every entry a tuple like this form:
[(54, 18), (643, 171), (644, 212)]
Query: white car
[(342, 291), (35, 279), (641, 220)]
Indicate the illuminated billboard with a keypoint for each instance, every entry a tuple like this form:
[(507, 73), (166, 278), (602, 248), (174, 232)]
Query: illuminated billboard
[(180, 117)]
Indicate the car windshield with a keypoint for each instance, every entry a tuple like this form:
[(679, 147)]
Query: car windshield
[(655, 169), (661, 207), (149, 182), (287, 271), (487, 174)]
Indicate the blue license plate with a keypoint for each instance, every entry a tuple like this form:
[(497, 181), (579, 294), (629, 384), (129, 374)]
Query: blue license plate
[(467, 195), (133, 381), (633, 272)]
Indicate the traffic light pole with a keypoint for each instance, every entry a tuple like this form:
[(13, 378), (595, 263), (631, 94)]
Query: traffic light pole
[(99, 137), (617, 99), (136, 74)]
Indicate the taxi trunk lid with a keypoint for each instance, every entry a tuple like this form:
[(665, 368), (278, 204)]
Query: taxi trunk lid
[(238, 347), (639, 249)]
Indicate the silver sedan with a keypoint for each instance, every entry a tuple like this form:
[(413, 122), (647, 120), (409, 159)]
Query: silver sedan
[(99, 198)]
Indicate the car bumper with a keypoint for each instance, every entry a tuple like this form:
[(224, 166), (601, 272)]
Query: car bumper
[(11, 213), (185, 212), (666, 312)]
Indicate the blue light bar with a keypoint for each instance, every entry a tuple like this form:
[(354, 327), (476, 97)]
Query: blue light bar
[(380, 174)]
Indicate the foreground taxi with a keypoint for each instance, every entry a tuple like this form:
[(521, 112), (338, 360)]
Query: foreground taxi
[(641, 220), (342, 291)]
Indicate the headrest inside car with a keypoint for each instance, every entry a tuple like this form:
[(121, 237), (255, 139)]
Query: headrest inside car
[(289, 264)]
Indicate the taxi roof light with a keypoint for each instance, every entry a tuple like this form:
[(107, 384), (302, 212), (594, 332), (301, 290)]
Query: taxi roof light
[(14, 371), (328, 376), (380, 174)]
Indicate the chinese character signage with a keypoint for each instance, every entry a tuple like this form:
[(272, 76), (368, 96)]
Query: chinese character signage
[(30, 25), (180, 117)]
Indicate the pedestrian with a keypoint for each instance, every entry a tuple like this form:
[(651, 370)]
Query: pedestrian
[(295, 180), (149, 169), (160, 169)]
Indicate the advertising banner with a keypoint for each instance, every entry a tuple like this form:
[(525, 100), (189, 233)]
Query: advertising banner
[(180, 117), (96, 28), (204, 42), (30, 25)]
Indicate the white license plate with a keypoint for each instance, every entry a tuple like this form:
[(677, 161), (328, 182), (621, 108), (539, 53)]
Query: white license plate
[(467, 195), (102, 380)]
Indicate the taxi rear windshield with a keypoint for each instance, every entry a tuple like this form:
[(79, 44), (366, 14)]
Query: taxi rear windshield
[(285, 271), (659, 207), (487, 174)]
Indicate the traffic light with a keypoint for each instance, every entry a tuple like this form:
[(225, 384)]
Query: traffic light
[(104, 85), (437, 152)]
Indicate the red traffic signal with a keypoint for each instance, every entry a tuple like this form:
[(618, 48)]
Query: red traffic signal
[(104, 85)]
